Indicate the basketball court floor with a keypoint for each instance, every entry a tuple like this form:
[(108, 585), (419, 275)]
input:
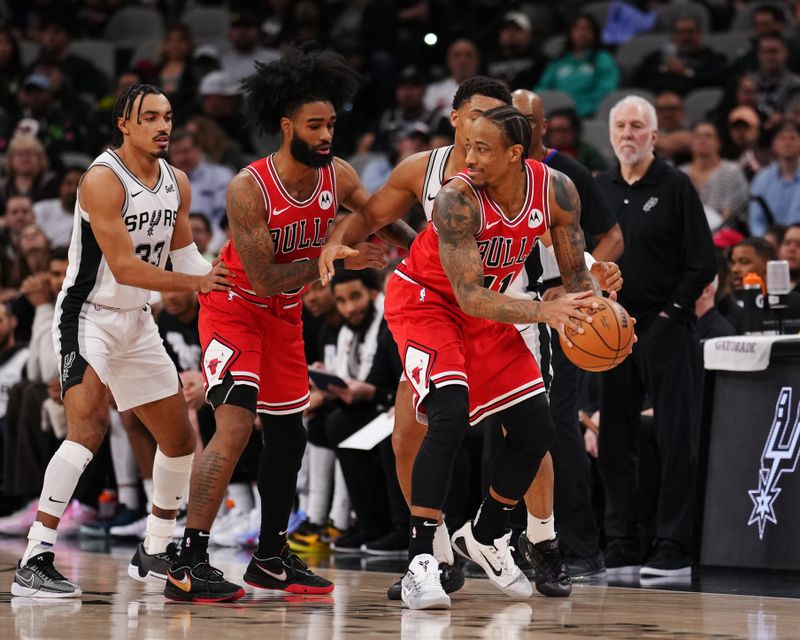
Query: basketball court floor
[(720, 605)]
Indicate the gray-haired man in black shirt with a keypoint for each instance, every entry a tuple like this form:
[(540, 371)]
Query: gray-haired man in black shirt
[(668, 260)]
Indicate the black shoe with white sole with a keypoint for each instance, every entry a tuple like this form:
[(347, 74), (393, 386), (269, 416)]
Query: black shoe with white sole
[(145, 567), (38, 578), (622, 557), (670, 560), (551, 577)]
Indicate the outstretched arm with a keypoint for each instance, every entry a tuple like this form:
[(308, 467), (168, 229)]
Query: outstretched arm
[(457, 220), (565, 229)]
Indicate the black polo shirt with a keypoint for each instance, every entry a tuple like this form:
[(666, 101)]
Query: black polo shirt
[(669, 255)]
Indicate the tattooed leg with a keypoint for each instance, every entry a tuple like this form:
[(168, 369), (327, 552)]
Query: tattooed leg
[(213, 471)]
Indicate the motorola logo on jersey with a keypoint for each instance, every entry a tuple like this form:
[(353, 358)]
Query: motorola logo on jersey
[(325, 200), (300, 234), (535, 218), (150, 219)]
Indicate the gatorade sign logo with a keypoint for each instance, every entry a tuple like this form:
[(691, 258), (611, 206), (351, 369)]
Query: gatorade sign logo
[(325, 200)]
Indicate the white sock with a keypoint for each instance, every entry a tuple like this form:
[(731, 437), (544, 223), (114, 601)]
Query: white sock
[(540, 530), (340, 507), (129, 496), (40, 539), (242, 496), (148, 492), (170, 480), (320, 482), (159, 534), (61, 477), (442, 549)]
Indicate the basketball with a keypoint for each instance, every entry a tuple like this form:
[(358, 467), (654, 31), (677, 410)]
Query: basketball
[(606, 339)]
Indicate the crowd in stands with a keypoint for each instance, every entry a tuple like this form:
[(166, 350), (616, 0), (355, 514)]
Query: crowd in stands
[(724, 78)]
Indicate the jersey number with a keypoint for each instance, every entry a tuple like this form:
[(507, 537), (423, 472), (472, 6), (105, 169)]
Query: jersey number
[(145, 251), (488, 282)]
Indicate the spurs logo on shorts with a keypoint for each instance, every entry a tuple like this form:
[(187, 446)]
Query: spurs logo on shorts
[(69, 359)]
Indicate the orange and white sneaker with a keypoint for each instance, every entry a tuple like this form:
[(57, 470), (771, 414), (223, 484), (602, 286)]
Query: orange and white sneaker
[(199, 582)]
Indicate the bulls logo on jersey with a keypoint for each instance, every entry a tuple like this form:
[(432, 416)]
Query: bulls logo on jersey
[(325, 199)]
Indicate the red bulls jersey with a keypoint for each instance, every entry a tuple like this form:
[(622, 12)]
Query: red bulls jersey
[(298, 229), (504, 244)]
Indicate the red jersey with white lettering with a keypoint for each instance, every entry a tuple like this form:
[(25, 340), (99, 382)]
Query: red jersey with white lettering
[(298, 229), (504, 244), (253, 352)]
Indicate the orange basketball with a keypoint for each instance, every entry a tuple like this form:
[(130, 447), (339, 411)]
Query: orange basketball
[(606, 339)]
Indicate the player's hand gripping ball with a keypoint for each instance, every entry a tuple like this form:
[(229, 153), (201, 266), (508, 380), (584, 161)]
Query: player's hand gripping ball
[(607, 339)]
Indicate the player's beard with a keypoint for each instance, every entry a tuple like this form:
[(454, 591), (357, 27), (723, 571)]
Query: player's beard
[(305, 154), (362, 326), (162, 154)]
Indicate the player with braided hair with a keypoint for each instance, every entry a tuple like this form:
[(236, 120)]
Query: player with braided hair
[(280, 209)]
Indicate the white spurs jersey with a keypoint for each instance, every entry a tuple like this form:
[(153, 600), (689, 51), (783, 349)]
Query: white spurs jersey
[(149, 216), (434, 177)]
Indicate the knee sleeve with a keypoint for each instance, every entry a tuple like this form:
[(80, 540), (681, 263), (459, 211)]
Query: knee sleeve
[(61, 477), (529, 434), (284, 436), (448, 421), (170, 480)]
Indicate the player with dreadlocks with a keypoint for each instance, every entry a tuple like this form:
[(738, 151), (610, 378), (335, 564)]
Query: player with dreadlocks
[(131, 216), (448, 310), (279, 209)]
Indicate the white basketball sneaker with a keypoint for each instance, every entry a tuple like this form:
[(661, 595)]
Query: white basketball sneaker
[(495, 559), (421, 587)]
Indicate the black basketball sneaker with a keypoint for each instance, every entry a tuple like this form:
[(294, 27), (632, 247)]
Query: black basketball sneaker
[(551, 576), (145, 566), (285, 572), (199, 582), (452, 580)]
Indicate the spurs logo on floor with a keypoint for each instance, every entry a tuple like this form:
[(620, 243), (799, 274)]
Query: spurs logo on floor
[(781, 454)]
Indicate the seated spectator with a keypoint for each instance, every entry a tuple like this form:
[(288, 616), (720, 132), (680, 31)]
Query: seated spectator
[(55, 216), (789, 250), (202, 233), (176, 74), (61, 126), (409, 110), (564, 134), (244, 39), (710, 322), (765, 18), (742, 141), (720, 184), (216, 145), (584, 70), (219, 101), (55, 36), (724, 299), (674, 139), (775, 84), (684, 64), (209, 181), (751, 256), (17, 215), (517, 60), (776, 188), (27, 172), (13, 357), (33, 259), (463, 61)]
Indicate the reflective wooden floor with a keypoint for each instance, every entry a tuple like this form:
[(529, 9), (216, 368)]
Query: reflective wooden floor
[(114, 606)]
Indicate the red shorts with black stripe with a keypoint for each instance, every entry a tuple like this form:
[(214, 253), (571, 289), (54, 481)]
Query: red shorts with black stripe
[(260, 345), (440, 345)]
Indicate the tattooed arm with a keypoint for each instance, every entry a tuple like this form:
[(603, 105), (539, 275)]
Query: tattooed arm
[(457, 220), (565, 229)]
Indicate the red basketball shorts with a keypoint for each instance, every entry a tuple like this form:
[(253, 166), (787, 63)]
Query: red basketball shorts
[(248, 344), (440, 345)]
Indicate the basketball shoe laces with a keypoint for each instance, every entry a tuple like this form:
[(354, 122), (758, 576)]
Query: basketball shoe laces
[(43, 565), (296, 563), (427, 581), (502, 559)]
